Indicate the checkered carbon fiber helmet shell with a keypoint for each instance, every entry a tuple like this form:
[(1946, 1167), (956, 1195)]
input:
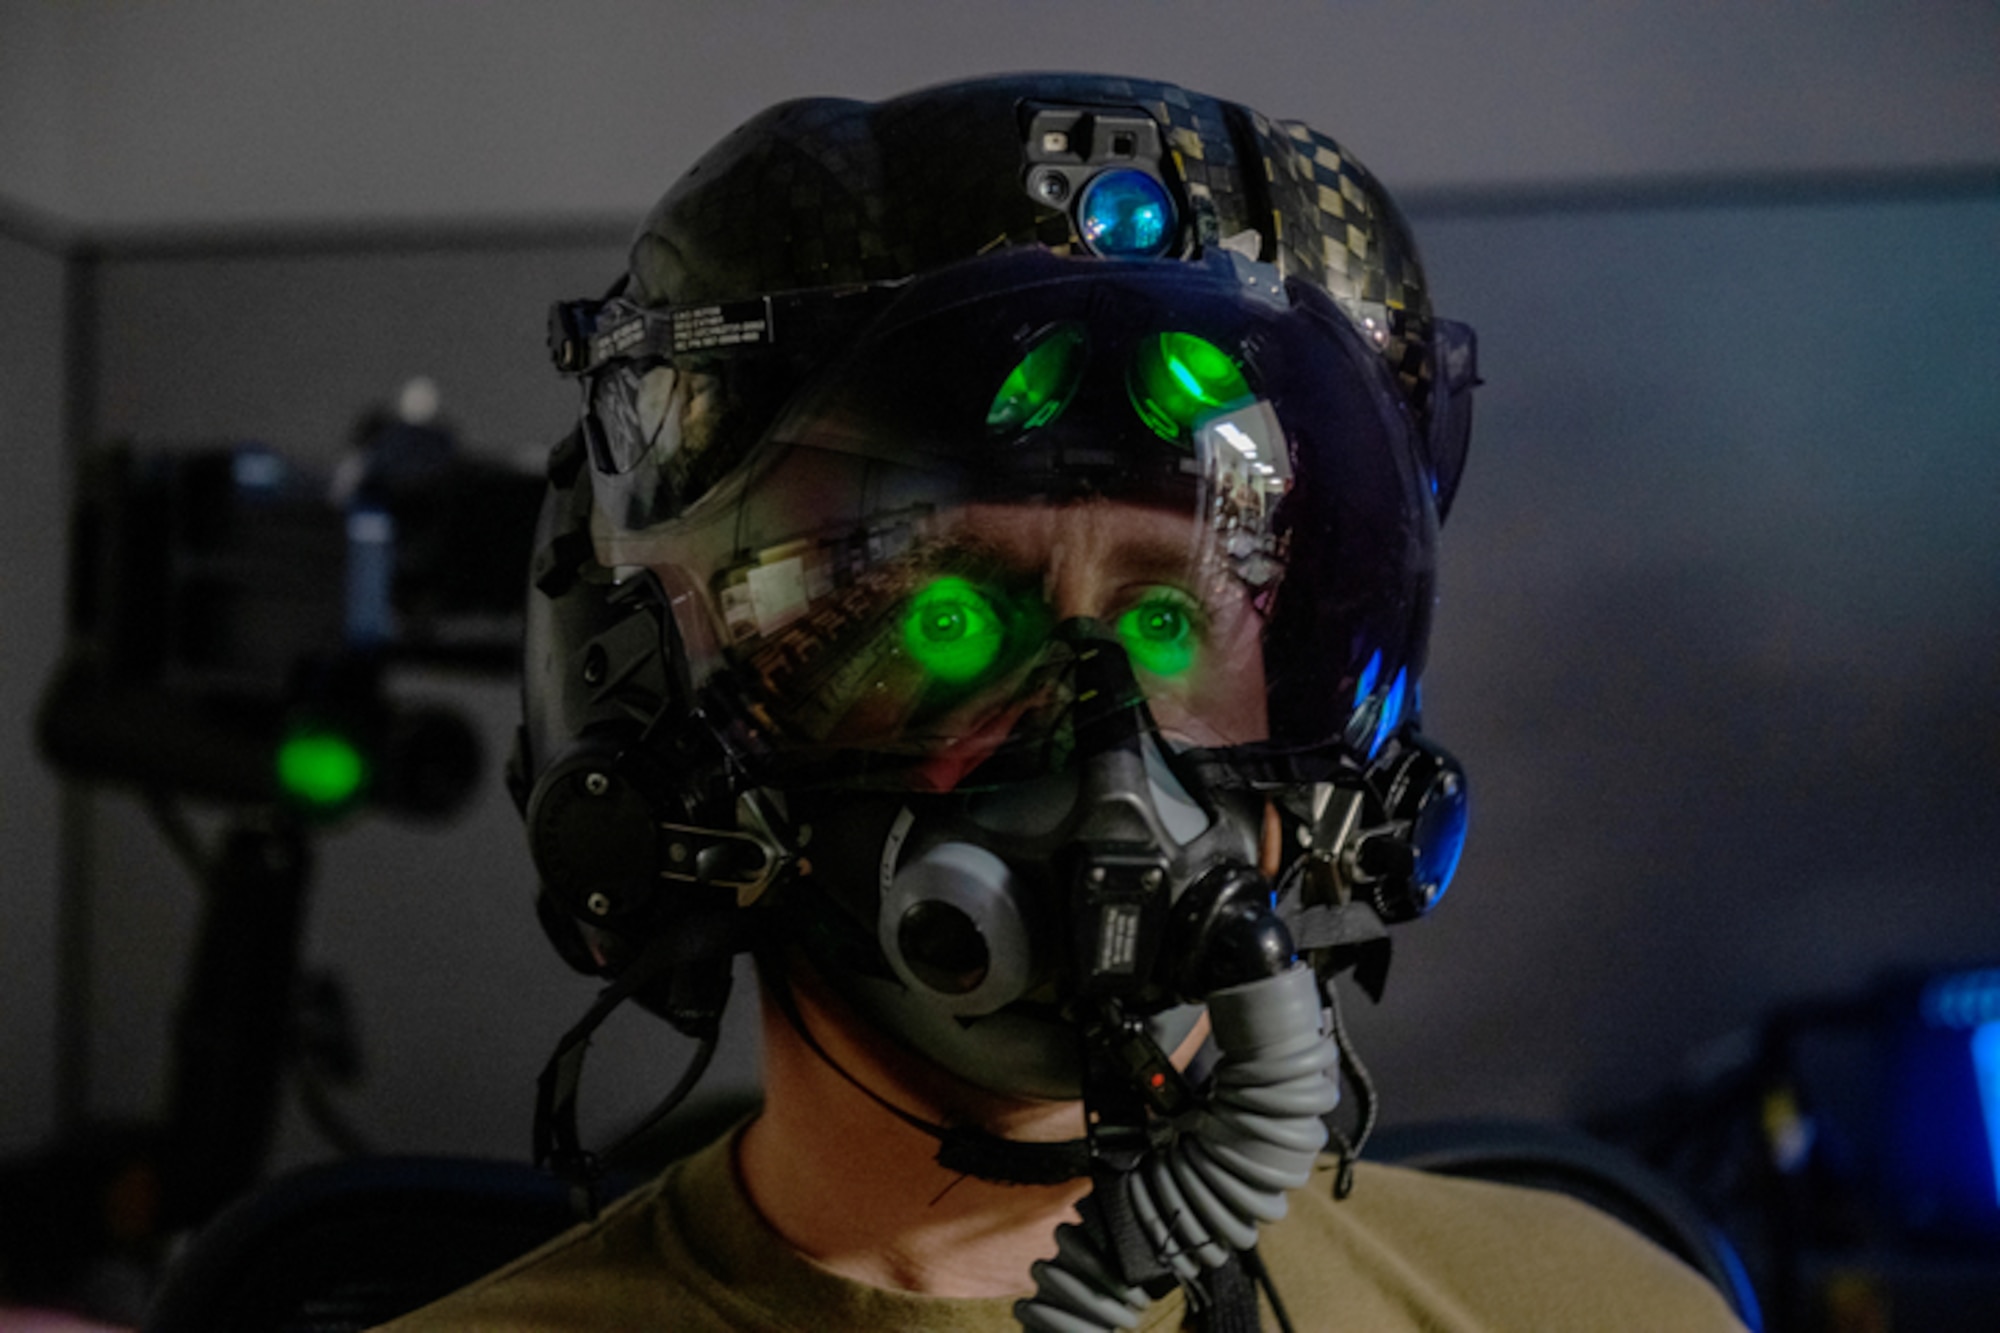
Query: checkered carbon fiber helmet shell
[(870, 363), (827, 192)]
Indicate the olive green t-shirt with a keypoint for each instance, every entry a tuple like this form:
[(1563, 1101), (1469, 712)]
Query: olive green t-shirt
[(1405, 1252)]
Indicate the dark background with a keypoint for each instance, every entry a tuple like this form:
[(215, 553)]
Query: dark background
[(1717, 639)]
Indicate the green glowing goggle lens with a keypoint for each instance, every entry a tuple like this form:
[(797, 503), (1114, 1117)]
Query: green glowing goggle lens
[(1177, 379), (1040, 385)]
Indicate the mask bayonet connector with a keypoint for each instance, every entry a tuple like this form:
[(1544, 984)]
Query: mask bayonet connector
[(747, 859), (1332, 816)]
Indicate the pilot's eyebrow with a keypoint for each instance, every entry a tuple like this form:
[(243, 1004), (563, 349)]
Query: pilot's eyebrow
[(1145, 557), (962, 550), (1157, 558)]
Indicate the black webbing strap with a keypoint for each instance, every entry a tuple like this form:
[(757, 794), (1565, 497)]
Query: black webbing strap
[(1228, 1299), (1113, 1227), (558, 1143), (1326, 927)]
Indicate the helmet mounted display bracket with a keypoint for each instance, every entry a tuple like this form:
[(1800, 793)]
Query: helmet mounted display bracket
[(1108, 169)]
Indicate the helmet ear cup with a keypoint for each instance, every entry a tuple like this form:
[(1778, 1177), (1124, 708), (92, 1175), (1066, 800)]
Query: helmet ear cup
[(593, 820), (1404, 861)]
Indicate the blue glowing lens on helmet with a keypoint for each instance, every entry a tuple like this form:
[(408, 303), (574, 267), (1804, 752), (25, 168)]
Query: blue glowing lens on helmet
[(1126, 214)]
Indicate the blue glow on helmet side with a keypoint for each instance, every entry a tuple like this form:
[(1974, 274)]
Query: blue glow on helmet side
[(1126, 214), (1369, 675), (1439, 837), (1986, 1067), (1392, 713)]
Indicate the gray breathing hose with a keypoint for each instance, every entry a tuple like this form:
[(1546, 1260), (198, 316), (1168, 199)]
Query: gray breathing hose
[(1227, 1168)]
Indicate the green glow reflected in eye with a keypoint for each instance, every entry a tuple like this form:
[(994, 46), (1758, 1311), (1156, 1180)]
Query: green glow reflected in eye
[(952, 631), (320, 769), (1159, 636), (1039, 386), (1178, 378)]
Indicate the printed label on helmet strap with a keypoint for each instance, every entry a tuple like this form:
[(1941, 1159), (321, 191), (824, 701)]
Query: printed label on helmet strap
[(732, 324)]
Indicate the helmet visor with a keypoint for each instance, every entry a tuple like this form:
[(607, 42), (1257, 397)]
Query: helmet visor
[(1196, 461)]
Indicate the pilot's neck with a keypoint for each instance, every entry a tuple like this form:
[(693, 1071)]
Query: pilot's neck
[(858, 1190)]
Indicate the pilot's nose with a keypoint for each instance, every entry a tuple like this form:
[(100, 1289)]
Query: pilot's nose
[(1074, 579)]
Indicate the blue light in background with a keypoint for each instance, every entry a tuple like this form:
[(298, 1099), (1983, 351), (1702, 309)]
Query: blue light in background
[(1986, 1069), (1963, 1000), (255, 468)]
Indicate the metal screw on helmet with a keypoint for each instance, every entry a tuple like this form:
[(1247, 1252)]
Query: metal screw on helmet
[(597, 784), (599, 904), (1050, 187)]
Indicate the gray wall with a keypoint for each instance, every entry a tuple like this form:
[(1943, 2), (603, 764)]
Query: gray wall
[(231, 113), (1720, 634), (32, 520), (31, 633), (1717, 642)]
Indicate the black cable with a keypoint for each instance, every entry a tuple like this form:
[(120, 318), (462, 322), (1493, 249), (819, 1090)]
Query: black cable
[(557, 1140), (1356, 1075), (1254, 1262)]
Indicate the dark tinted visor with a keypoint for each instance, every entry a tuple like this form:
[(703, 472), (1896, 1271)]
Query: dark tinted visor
[(1199, 462)]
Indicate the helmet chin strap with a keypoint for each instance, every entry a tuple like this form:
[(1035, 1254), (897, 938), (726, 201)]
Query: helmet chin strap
[(557, 1141), (964, 1149)]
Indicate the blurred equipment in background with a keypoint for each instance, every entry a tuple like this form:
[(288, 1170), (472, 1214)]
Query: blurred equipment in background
[(229, 609), (236, 628), (1852, 1148)]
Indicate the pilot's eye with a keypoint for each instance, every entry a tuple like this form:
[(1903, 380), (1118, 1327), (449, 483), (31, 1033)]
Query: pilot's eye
[(1159, 634), (952, 631)]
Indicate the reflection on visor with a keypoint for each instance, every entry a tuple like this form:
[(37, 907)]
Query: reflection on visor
[(1178, 379), (1159, 635), (1149, 448), (933, 638), (953, 632), (1040, 385)]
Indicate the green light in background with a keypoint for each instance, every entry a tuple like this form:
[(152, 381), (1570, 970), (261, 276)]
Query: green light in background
[(321, 769)]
